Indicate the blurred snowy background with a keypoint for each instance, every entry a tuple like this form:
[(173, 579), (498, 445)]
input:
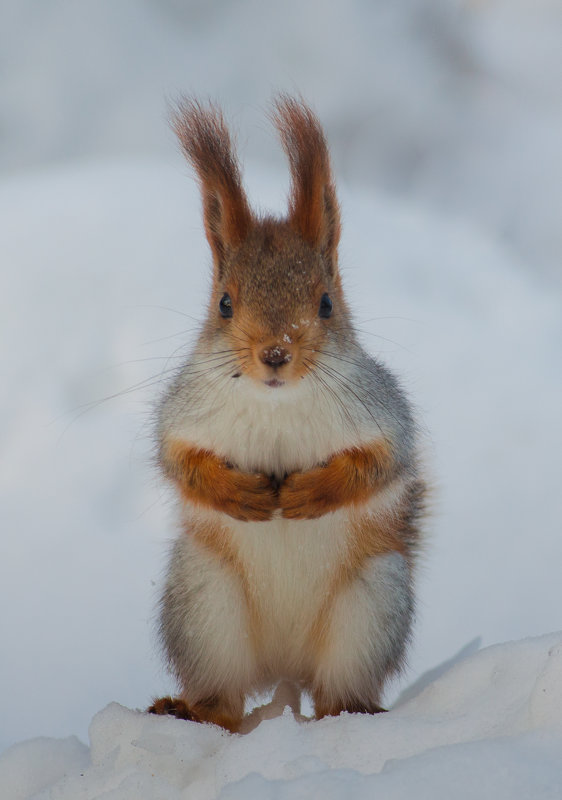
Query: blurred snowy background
[(445, 123)]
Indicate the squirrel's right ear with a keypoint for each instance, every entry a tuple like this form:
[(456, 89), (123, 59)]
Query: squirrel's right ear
[(205, 140)]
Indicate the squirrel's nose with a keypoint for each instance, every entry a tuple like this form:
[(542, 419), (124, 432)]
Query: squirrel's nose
[(275, 356)]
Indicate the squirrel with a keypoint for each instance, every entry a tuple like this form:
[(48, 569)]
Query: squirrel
[(293, 453)]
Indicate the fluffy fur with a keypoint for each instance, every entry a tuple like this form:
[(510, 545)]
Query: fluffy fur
[(293, 453)]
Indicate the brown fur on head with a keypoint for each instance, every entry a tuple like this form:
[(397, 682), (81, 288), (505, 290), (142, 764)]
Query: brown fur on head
[(275, 271)]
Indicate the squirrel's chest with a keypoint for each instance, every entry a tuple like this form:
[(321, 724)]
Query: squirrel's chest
[(275, 432)]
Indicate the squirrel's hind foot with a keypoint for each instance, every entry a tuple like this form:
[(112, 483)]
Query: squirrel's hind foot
[(211, 710), (175, 707)]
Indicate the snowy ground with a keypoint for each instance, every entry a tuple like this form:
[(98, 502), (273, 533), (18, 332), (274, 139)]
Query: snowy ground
[(488, 728), (452, 265)]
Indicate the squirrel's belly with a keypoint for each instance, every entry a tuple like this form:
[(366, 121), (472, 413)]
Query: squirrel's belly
[(288, 570)]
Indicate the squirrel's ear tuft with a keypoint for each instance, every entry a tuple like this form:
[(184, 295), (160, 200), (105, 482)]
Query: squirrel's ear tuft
[(205, 140), (313, 205)]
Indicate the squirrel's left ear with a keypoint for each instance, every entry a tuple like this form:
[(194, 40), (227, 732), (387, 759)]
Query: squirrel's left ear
[(313, 206)]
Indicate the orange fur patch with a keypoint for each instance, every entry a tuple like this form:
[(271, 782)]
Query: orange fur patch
[(323, 708), (207, 480), (217, 539), (227, 715), (349, 478), (173, 706)]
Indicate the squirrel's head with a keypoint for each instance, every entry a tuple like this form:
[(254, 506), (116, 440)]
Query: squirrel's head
[(277, 298)]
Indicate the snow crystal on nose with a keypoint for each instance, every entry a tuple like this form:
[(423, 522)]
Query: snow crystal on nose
[(280, 352)]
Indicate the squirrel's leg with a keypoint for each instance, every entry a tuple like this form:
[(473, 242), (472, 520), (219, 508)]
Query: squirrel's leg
[(361, 637), (205, 627)]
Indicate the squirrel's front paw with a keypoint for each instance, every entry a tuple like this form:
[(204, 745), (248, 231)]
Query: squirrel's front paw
[(249, 497), (306, 495)]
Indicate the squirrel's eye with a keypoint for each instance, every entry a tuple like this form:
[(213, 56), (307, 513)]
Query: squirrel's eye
[(225, 305), (326, 306)]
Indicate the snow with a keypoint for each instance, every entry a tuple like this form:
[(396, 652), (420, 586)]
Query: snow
[(445, 120), (489, 727)]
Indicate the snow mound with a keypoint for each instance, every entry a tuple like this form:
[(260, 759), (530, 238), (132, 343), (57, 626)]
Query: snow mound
[(488, 727)]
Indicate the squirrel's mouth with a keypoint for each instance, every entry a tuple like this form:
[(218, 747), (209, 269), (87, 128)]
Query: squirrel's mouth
[(274, 383)]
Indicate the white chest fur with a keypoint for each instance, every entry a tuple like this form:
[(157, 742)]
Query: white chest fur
[(274, 430)]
